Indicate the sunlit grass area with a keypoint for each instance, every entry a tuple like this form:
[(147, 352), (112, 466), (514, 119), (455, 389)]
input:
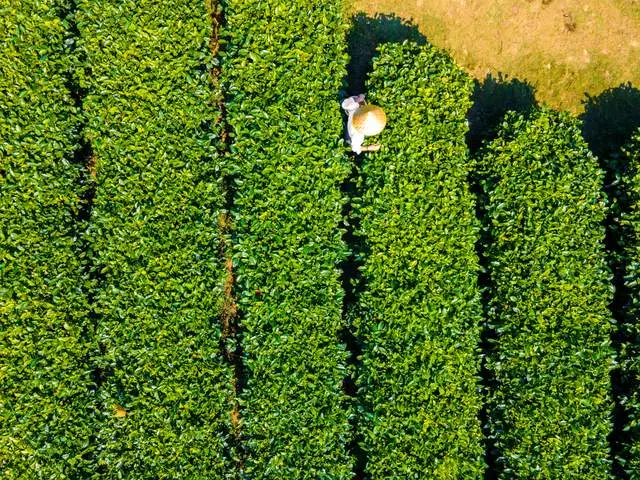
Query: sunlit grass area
[(566, 49)]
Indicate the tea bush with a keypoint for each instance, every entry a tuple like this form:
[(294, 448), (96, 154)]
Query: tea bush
[(630, 354), (550, 412), (419, 314), (46, 400), (165, 392), (282, 69)]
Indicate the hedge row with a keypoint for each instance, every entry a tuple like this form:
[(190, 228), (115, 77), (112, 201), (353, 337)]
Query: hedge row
[(158, 291), (419, 315), (630, 354), (282, 70), (550, 412), (46, 401)]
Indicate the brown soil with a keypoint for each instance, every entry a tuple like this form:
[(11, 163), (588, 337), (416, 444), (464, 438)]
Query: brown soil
[(564, 48), (92, 167)]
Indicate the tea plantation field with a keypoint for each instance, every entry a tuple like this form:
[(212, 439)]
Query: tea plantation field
[(199, 280)]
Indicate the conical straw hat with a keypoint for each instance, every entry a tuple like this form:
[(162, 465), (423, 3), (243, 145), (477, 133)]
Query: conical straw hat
[(369, 120)]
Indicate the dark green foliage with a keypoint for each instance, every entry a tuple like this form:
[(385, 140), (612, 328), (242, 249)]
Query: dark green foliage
[(630, 354), (610, 119), (419, 315), (492, 98), (364, 36), (282, 70), (46, 403), (155, 241), (550, 411)]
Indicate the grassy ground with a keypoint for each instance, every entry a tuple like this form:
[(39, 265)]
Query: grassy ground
[(566, 49)]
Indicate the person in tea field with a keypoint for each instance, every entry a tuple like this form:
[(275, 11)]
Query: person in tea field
[(364, 121)]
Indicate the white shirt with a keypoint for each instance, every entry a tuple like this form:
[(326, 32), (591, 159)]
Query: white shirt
[(350, 106)]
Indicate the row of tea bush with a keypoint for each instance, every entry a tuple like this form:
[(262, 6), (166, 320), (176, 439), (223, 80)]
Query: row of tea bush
[(113, 271)]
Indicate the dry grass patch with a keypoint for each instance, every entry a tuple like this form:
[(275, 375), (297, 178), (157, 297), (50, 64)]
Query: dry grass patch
[(564, 48)]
